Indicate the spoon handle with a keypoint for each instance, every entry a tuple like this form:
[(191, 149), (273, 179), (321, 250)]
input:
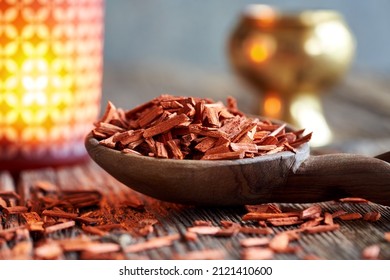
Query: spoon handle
[(334, 176), (384, 156)]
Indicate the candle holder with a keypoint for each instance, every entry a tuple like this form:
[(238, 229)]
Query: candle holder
[(290, 59), (50, 80)]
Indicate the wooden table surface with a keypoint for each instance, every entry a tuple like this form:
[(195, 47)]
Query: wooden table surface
[(358, 111)]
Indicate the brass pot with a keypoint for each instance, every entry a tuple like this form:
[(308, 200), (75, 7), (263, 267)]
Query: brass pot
[(290, 58)]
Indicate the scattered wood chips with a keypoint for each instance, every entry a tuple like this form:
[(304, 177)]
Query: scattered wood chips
[(264, 231), (312, 220)]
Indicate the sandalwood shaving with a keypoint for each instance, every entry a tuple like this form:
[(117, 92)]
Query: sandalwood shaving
[(178, 127)]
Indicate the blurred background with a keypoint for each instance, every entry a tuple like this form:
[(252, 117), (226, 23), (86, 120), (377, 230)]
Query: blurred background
[(194, 32), (179, 47)]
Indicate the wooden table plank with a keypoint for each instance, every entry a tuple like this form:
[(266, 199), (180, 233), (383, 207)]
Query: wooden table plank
[(346, 243)]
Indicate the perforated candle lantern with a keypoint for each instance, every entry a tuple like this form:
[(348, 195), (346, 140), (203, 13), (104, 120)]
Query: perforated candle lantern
[(50, 80)]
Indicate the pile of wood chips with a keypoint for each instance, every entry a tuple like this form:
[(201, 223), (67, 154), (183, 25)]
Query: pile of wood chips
[(50, 211), (193, 128)]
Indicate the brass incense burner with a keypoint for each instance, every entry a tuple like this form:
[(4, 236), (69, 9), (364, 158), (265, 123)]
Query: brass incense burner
[(290, 58)]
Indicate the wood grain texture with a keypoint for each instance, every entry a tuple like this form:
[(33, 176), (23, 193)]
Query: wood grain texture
[(346, 243)]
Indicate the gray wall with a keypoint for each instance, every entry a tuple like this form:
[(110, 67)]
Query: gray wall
[(194, 32)]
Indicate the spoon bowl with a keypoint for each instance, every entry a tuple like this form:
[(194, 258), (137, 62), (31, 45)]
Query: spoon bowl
[(220, 182), (281, 177)]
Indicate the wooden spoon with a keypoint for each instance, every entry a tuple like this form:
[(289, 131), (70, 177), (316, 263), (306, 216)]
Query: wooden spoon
[(282, 177)]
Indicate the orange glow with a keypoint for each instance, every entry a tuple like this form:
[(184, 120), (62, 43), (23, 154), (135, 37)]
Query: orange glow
[(258, 52), (267, 19), (45, 51), (272, 106), (259, 48)]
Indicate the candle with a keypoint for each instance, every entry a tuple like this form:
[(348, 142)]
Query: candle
[(50, 80)]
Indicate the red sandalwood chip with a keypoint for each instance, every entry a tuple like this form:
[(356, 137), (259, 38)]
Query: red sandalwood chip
[(48, 251), (328, 219), (254, 241), (372, 216), (322, 228), (387, 236), (371, 252), (254, 216), (353, 200), (350, 216), (280, 242), (257, 254), (338, 213), (207, 254), (311, 212), (208, 230), (288, 221), (152, 243)]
